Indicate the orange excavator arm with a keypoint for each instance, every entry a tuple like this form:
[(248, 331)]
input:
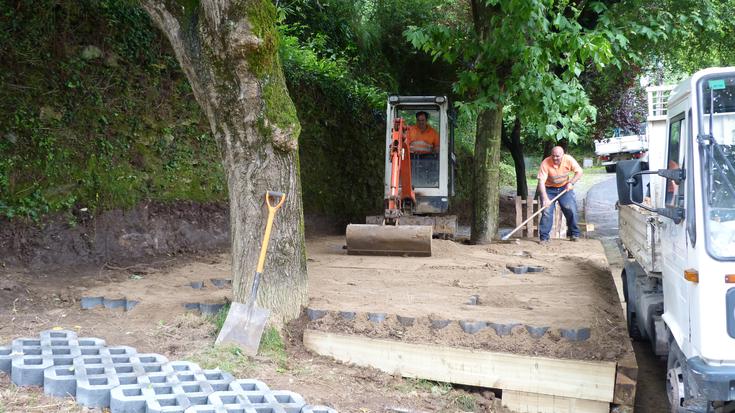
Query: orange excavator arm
[(401, 187)]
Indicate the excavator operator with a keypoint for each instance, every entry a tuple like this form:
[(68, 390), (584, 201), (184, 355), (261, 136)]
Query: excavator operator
[(422, 138)]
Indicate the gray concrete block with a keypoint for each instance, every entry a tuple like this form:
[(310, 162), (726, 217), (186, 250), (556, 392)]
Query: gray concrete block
[(405, 321), (6, 358), (576, 334), (246, 385), (535, 268), (317, 409), (314, 314), (127, 382), (178, 386), (53, 348), (91, 302), (88, 303), (439, 324), (377, 317), (502, 329), (197, 285), (347, 315), (290, 402), (97, 375), (205, 308), (210, 309), (517, 269), (472, 327), (536, 332), (221, 282), (474, 300)]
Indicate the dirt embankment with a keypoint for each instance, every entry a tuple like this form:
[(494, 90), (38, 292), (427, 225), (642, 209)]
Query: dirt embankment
[(121, 237)]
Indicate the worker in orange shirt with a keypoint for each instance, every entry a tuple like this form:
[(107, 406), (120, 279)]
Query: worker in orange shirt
[(553, 179), (422, 138)]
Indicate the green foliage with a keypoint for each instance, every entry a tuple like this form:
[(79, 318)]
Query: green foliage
[(366, 35), (526, 53), (95, 112), (701, 36), (531, 54)]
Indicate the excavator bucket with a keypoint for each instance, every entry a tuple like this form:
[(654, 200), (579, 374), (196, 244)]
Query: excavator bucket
[(405, 240)]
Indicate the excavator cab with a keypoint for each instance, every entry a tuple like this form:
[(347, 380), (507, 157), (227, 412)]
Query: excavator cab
[(432, 174), (419, 180)]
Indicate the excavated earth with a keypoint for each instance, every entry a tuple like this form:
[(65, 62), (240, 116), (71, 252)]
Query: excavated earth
[(567, 309)]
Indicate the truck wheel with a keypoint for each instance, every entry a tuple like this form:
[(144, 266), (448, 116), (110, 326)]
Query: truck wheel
[(609, 168), (674, 380)]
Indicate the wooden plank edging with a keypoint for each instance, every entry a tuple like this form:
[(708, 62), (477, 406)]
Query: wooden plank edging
[(578, 379)]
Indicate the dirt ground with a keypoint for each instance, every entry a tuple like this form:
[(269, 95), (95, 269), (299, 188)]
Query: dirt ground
[(31, 302), (574, 291)]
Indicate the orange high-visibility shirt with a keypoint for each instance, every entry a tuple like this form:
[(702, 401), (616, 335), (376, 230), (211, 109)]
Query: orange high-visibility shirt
[(423, 142), (557, 176)]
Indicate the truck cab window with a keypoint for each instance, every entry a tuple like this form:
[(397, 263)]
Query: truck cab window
[(674, 191)]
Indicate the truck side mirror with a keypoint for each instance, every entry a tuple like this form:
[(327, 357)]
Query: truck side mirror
[(624, 175)]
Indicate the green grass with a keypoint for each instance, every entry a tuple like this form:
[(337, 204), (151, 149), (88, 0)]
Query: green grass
[(227, 358), (219, 319), (408, 385), (273, 347), (465, 402)]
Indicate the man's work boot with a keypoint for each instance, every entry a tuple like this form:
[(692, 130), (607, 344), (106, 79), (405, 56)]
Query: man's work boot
[(544, 242), (573, 238)]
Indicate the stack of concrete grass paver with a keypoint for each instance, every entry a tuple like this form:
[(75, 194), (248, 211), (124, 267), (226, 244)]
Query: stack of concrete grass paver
[(120, 378)]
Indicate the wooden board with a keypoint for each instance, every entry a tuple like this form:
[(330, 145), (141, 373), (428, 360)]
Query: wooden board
[(522, 402), (590, 380)]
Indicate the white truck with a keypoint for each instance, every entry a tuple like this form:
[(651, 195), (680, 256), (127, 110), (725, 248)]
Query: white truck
[(621, 146), (677, 228)]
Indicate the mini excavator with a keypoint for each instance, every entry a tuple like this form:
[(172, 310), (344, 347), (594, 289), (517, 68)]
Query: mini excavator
[(417, 186)]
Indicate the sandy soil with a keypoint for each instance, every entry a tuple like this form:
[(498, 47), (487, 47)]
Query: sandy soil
[(31, 302), (574, 291)]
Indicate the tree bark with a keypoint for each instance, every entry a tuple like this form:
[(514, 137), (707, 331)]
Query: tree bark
[(486, 173), (229, 52), (486, 168), (515, 147)]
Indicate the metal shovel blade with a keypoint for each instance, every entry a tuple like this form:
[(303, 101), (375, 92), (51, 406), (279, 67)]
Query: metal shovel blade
[(243, 327)]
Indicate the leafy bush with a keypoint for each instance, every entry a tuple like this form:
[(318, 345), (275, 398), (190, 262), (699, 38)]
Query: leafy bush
[(97, 113)]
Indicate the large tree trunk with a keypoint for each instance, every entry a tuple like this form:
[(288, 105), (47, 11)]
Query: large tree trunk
[(486, 168), (486, 173), (229, 52)]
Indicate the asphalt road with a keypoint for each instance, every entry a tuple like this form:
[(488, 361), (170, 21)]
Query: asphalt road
[(599, 209)]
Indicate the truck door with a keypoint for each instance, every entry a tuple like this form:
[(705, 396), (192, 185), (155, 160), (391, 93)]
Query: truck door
[(673, 235)]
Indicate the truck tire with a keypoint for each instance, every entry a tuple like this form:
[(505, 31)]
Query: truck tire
[(610, 168), (674, 381)]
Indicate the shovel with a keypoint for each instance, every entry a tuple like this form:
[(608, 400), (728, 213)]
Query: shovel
[(245, 322), (505, 238)]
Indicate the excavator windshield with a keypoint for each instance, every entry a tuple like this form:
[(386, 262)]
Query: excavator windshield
[(425, 143)]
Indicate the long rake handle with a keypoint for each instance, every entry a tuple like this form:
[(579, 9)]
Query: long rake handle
[(535, 214)]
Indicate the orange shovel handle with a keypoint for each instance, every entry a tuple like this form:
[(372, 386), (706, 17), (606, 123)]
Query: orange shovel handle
[(272, 208)]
